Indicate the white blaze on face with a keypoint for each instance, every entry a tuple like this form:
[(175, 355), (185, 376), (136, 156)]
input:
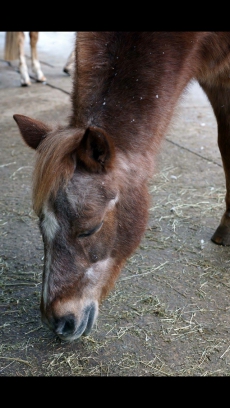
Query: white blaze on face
[(50, 227), (50, 224), (113, 202), (95, 272)]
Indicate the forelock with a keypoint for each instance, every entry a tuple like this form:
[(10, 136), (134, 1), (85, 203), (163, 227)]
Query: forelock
[(54, 164)]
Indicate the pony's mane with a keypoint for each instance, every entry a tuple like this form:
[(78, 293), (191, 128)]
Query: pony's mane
[(55, 164), (102, 72)]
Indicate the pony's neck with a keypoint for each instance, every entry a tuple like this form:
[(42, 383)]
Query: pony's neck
[(129, 83)]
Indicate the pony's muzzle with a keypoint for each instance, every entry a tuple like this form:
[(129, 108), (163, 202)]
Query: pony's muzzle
[(65, 326), (69, 327)]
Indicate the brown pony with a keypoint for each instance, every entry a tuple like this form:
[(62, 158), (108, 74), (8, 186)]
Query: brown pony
[(90, 184)]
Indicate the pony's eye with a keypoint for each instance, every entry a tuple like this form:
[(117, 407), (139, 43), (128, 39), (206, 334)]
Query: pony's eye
[(91, 231)]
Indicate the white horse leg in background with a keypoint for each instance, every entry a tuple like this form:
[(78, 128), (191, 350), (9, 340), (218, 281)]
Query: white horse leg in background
[(35, 64), (14, 49)]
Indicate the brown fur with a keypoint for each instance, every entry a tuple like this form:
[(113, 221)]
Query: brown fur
[(91, 178)]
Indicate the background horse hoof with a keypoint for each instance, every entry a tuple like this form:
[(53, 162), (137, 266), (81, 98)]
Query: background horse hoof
[(41, 81), (66, 71), (24, 84), (40, 78)]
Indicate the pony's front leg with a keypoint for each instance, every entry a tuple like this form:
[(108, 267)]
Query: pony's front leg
[(25, 79), (220, 101), (36, 67)]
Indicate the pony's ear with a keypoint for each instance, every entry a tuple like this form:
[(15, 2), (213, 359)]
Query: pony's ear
[(33, 131), (96, 150)]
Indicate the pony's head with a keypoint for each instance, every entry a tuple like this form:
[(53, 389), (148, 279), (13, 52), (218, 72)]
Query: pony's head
[(92, 204)]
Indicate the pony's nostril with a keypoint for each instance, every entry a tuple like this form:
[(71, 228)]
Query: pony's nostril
[(65, 325)]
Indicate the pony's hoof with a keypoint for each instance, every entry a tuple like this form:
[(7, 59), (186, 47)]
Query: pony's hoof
[(221, 236)]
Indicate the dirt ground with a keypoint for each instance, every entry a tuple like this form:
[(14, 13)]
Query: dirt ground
[(168, 314)]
